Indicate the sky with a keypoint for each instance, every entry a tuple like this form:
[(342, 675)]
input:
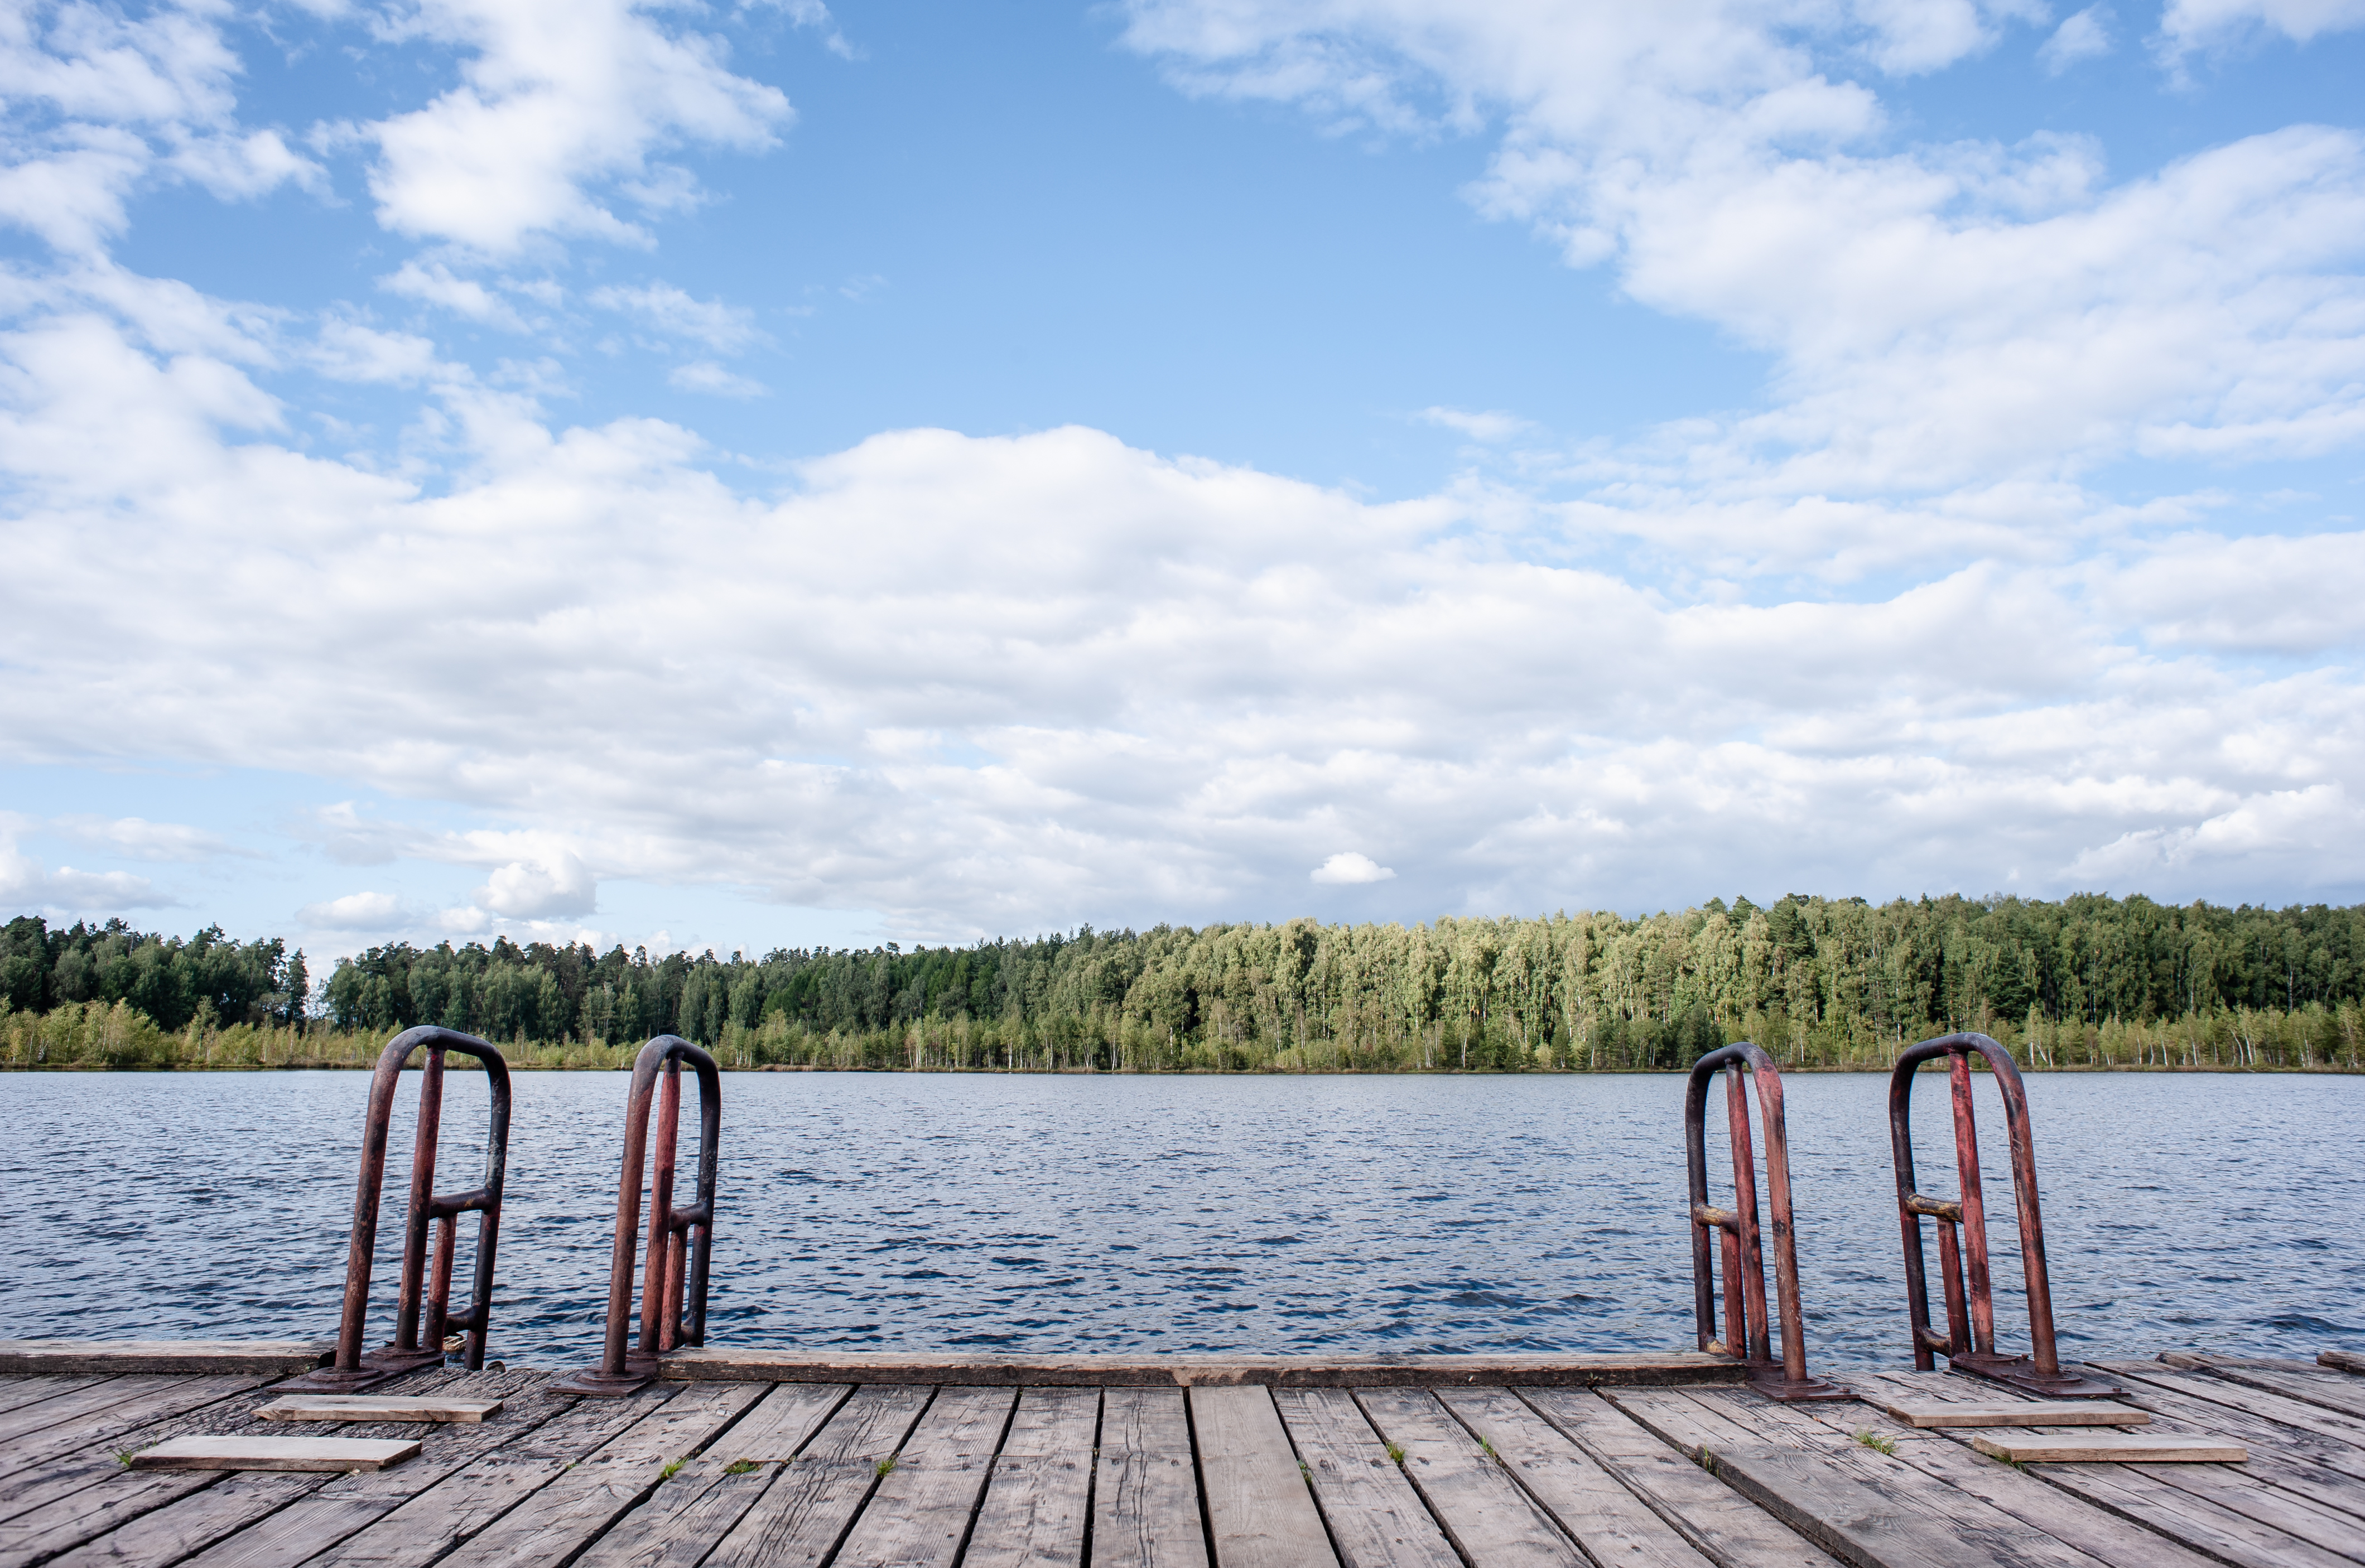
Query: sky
[(723, 478)]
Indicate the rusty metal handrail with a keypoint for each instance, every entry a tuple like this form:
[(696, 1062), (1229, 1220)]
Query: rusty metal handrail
[(1748, 1336), (416, 1345), (1968, 1343), (673, 1298)]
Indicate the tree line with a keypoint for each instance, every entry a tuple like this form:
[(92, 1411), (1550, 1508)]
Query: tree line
[(207, 980), (2085, 981)]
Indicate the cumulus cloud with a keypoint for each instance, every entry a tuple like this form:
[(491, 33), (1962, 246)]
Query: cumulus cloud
[(96, 101), (1939, 314), (433, 282), (371, 911), (66, 893), (558, 884), (1490, 427), (726, 329), (2085, 36), (135, 838), (1350, 868), (560, 103), (705, 376), (2192, 23), (1192, 678)]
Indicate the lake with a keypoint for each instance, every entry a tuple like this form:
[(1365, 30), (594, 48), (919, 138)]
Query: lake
[(1268, 1215)]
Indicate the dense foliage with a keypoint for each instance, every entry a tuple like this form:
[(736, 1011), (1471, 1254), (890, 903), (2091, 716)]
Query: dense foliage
[(2085, 980), (1828, 980), (207, 978)]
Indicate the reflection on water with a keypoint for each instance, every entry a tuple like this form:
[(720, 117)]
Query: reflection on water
[(1260, 1214)]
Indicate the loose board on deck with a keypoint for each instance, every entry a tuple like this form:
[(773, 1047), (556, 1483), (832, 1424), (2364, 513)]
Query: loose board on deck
[(375, 1408), (275, 1453), (2051, 1413), (2342, 1360), (2109, 1448)]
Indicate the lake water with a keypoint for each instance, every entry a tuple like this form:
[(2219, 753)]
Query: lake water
[(1185, 1215)]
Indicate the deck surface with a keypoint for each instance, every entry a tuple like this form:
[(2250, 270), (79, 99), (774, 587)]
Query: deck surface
[(746, 1472)]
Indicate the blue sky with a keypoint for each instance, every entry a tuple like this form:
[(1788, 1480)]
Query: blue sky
[(726, 477)]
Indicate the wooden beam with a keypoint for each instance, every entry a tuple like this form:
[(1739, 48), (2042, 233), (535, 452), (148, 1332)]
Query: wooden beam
[(275, 1453), (1259, 1512), (376, 1407), (712, 1364), (116, 1358), (2027, 1413), (2341, 1360), (2109, 1448)]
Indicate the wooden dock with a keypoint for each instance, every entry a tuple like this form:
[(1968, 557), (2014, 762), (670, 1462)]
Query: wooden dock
[(918, 1461)]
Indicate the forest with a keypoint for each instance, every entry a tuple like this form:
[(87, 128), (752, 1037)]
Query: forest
[(2085, 982)]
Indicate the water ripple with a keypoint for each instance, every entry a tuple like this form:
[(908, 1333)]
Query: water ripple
[(1260, 1215)]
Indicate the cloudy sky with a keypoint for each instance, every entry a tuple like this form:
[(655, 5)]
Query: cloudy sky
[(741, 477)]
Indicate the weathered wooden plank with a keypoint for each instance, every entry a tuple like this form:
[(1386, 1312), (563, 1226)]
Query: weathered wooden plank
[(2345, 1431), (1483, 1510), (1726, 1527), (2342, 1360), (690, 1511), (920, 1512), (1612, 1524), (423, 1527), (2294, 1514), (2195, 1521), (94, 1399), (274, 1452), (1146, 1492), (1855, 1517), (779, 1426), (82, 1489), (340, 1507), (22, 1389), (715, 1363), (573, 1507), (2027, 1413), (277, 1511), (2101, 1534), (1884, 1504), (192, 1521), (812, 1498), (2330, 1390), (2107, 1447), (211, 1358), (1259, 1512), (375, 1408), (1039, 1497), (2135, 1494), (2322, 1470), (28, 1465), (1377, 1517)]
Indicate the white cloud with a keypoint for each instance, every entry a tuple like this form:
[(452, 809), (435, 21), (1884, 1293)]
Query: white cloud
[(371, 911), (1490, 428), (557, 884), (726, 329), (984, 685), (347, 351), (1349, 869), (433, 282), (136, 839), (1938, 314), (2192, 23), (2085, 36), (705, 376), (65, 893), (2256, 594), (96, 100), (559, 100)]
